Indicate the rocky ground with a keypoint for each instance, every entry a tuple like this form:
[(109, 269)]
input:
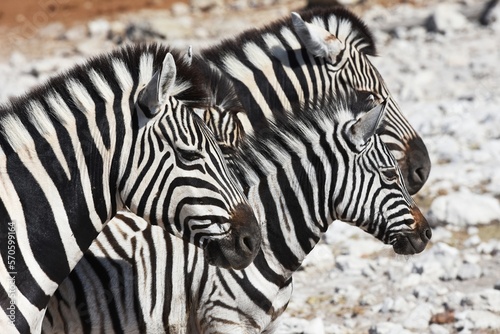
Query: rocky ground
[(441, 62)]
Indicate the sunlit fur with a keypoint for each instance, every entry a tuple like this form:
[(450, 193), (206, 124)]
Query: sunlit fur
[(77, 149)]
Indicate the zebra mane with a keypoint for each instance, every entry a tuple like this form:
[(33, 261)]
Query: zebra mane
[(221, 88), (189, 86), (262, 151), (340, 15)]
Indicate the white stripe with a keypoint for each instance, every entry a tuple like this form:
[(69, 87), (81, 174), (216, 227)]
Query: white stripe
[(46, 128), (292, 40), (262, 61), (57, 103), (240, 72)]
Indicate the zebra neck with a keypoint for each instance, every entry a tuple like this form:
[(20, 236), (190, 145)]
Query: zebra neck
[(290, 180), (59, 172)]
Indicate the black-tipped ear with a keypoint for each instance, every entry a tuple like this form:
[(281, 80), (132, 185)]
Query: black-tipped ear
[(367, 125), (317, 40), (155, 94)]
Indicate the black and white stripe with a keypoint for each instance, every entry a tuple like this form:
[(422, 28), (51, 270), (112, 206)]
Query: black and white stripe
[(117, 131), (315, 56), (307, 171)]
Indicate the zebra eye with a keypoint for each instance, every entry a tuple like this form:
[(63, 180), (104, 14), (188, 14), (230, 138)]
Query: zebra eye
[(389, 173), (189, 155), (227, 150)]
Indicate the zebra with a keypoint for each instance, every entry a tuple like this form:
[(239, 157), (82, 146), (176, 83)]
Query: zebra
[(315, 56), (116, 132), (324, 164)]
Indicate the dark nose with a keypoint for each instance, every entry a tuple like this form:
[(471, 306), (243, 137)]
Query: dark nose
[(426, 234), (418, 164), (247, 242)]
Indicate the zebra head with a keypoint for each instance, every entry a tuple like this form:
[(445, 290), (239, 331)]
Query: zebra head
[(377, 201), (342, 43), (179, 179)]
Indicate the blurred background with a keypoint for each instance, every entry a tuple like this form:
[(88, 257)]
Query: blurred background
[(441, 61)]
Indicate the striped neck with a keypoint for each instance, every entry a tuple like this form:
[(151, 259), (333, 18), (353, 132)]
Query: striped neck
[(290, 178)]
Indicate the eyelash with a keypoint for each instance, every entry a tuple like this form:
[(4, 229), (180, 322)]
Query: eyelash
[(189, 155)]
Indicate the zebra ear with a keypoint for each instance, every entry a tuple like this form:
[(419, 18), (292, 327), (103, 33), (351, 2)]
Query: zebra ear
[(367, 125), (155, 94), (317, 40)]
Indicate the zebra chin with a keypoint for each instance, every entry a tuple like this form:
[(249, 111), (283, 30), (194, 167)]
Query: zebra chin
[(414, 241), (239, 248)]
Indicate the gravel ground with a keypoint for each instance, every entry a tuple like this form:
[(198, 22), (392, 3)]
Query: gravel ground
[(442, 66)]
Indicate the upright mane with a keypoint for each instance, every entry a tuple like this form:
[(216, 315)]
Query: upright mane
[(341, 15), (189, 86), (288, 134)]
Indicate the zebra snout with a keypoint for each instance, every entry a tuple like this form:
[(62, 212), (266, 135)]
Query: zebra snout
[(417, 166), (414, 241), (238, 249)]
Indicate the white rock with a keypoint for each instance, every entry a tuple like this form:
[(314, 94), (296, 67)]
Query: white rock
[(492, 299), (447, 19), (469, 271), (438, 329), (99, 28), (76, 33), (387, 328), (180, 9), (464, 209), (482, 319), (321, 257), (315, 326), (419, 317)]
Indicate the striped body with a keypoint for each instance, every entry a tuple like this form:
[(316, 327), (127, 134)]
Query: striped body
[(303, 175), (318, 57), (118, 131)]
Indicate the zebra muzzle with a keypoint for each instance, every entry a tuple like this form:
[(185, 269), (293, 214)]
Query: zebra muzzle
[(414, 241), (238, 249)]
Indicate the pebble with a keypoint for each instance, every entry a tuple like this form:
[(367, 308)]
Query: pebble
[(464, 209), (419, 317), (469, 271)]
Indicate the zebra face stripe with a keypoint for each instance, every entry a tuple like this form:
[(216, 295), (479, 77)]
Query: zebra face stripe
[(178, 174), (350, 68), (388, 211)]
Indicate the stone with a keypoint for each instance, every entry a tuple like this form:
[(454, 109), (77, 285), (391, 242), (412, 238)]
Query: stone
[(438, 329), (387, 328), (480, 319), (320, 257), (491, 298), (469, 271), (464, 209), (99, 28), (446, 19), (315, 326), (180, 9), (419, 317), (76, 33)]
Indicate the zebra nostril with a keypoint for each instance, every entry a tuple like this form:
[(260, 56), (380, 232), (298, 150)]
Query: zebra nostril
[(246, 244), (426, 234), (419, 175)]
